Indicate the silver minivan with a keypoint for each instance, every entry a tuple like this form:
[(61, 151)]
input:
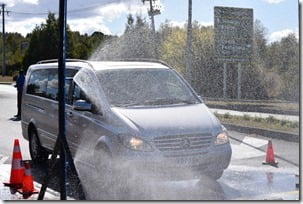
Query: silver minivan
[(136, 117)]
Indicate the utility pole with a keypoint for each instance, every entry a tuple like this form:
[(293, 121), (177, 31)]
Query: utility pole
[(152, 12), (3, 41), (188, 75)]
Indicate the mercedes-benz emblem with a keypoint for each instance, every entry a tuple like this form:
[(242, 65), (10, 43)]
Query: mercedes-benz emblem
[(185, 143)]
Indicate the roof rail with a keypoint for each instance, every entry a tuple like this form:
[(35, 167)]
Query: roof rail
[(143, 60), (67, 60)]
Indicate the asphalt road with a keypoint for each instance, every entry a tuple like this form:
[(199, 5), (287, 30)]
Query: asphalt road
[(245, 179)]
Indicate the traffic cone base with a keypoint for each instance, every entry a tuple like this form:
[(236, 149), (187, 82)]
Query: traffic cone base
[(34, 191), (275, 163), (12, 185), (27, 194)]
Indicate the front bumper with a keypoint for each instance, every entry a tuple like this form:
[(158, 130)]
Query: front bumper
[(190, 166)]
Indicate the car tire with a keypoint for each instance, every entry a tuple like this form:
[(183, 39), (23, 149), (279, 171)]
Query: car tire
[(109, 178), (215, 175), (37, 152)]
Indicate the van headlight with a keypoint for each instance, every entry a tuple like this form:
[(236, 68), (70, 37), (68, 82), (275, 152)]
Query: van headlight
[(135, 143), (222, 138)]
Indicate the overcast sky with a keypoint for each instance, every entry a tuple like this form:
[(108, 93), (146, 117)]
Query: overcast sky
[(280, 17)]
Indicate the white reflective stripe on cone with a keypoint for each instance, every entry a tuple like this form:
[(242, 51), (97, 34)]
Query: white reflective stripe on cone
[(17, 164)]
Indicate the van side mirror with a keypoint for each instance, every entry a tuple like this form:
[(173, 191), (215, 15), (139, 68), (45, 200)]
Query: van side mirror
[(82, 105)]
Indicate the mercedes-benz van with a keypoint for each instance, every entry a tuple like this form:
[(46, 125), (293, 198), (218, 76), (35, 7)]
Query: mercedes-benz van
[(130, 117)]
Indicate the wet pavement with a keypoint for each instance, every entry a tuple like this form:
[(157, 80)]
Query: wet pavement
[(234, 185), (7, 193), (245, 179), (237, 183)]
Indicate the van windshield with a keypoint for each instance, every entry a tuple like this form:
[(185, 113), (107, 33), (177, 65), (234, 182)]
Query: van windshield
[(144, 87)]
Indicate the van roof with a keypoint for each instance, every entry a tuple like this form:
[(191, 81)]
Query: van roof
[(102, 65), (105, 65)]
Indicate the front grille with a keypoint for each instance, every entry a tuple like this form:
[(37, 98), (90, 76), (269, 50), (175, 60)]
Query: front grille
[(182, 142)]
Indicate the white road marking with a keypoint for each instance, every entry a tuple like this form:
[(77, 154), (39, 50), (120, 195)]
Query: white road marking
[(244, 151), (256, 142), (3, 159)]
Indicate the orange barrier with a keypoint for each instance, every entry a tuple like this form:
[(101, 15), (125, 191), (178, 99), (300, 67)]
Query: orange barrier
[(17, 170)]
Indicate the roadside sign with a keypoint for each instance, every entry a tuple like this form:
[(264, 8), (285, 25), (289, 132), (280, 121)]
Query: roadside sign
[(233, 34)]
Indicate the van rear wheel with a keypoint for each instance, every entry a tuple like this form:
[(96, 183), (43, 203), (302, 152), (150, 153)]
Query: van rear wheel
[(37, 152)]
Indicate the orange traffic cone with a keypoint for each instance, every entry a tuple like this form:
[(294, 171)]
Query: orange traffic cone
[(28, 184), (270, 157), (17, 170)]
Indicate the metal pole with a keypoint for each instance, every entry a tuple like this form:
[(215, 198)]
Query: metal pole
[(224, 79), (239, 80), (3, 41), (61, 81), (61, 142), (153, 28), (189, 44)]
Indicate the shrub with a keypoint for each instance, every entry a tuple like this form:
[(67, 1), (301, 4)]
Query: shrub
[(271, 119), (246, 117), (226, 115)]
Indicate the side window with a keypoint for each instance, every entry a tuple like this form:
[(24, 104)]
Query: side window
[(52, 85), (70, 72), (37, 83), (68, 84), (44, 83)]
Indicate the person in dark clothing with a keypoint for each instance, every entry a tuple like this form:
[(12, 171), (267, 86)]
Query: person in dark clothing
[(19, 86)]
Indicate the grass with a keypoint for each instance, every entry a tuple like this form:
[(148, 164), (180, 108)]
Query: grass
[(258, 122), (273, 105)]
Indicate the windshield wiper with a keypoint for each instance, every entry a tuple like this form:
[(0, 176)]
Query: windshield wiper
[(167, 101), (157, 101)]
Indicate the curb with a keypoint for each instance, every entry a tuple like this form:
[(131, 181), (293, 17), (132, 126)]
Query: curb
[(6, 83), (292, 137)]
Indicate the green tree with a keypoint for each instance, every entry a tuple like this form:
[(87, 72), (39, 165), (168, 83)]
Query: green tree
[(173, 46), (282, 69), (134, 43), (13, 52), (253, 86), (137, 39), (289, 67), (206, 72), (44, 41)]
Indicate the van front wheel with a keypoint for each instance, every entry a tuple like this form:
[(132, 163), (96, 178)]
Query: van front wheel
[(111, 180), (37, 152), (215, 175)]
